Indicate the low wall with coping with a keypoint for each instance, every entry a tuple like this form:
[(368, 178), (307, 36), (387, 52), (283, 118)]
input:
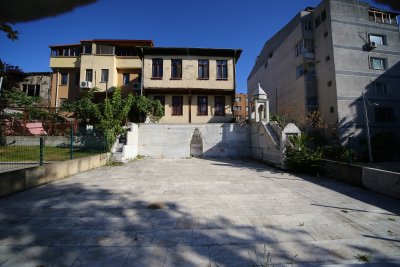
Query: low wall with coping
[(381, 181), (20, 180), (219, 140), (87, 141)]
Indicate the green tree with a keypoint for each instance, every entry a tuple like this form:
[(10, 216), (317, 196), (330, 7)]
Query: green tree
[(148, 108), (113, 114), (84, 109)]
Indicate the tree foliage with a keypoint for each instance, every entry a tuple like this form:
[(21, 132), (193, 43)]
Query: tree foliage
[(149, 108), (84, 109), (113, 114)]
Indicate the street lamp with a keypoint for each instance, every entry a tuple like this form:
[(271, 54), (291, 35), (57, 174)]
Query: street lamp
[(367, 126)]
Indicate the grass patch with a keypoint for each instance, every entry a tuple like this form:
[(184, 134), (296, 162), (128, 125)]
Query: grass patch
[(301, 224), (156, 206), (392, 219), (139, 157), (31, 153), (114, 163), (363, 257)]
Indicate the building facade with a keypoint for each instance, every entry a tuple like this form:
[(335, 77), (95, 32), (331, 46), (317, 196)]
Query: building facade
[(195, 85), (341, 58), (37, 84), (240, 108), (101, 64)]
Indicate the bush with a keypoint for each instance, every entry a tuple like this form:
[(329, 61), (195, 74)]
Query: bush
[(300, 158), (338, 153)]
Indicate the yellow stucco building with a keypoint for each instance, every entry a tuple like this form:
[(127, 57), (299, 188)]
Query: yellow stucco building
[(98, 63), (195, 85)]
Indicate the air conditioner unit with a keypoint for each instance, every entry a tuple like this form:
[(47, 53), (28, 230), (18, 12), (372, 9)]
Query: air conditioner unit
[(86, 84), (371, 45), (136, 86)]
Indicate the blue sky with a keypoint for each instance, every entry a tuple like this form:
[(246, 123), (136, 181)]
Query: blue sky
[(172, 23)]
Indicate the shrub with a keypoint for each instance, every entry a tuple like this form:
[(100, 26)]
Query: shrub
[(300, 158)]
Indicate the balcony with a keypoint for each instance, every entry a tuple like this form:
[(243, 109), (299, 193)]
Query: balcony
[(382, 17), (65, 62)]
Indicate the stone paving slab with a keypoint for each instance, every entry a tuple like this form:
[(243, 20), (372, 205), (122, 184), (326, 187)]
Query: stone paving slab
[(210, 213)]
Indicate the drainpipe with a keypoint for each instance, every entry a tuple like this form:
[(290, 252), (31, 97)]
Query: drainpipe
[(56, 100), (190, 106), (234, 79), (142, 74)]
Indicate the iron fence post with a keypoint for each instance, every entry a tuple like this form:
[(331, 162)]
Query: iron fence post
[(71, 145), (41, 151)]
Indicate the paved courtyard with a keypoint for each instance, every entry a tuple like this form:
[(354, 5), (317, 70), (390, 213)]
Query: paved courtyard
[(194, 212)]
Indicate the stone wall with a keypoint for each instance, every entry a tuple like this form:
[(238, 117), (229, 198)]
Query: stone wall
[(219, 140), (381, 181), (20, 180), (87, 141)]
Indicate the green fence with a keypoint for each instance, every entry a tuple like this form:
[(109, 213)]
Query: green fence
[(18, 152)]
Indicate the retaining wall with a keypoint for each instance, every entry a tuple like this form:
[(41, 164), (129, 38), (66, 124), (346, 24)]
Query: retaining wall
[(20, 180), (87, 141), (381, 181), (173, 140)]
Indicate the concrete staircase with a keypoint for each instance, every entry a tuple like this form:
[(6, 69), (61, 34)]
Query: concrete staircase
[(272, 134), (117, 155), (126, 148)]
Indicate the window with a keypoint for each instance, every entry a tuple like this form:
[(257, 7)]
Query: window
[(308, 45), (219, 106), (176, 68), (87, 48), (299, 71), (157, 71), (31, 89), (104, 75), (64, 78), (380, 89), (327, 58), (203, 69), (329, 83), (331, 109), (238, 99), (104, 49), (177, 102), (307, 25), (238, 108), (377, 39), (89, 75), (77, 78), (122, 51), (125, 78), (377, 63), (222, 69), (325, 34), (383, 114), (160, 98), (202, 105), (323, 15), (317, 21)]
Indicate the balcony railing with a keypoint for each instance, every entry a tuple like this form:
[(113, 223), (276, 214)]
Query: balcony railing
[(381, 17)]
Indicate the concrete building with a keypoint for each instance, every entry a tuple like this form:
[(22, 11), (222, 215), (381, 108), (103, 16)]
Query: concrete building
[(195, 85), (37, 84), (327, 58), (240, 107), (95, 63)]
